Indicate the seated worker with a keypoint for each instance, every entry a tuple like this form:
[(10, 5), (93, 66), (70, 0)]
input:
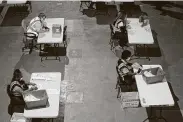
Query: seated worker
[(38, 24), (144, 19), (18, 87), (119, 22), (125, 68)]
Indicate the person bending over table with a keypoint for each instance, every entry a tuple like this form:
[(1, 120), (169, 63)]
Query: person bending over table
[(125, 68), (144, 19), (38, 25), (17, 87)]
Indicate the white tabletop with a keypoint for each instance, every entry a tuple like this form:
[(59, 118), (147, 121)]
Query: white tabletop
[(52, 86), (16, 1), (157, 94), (47, 37), (138, 34)]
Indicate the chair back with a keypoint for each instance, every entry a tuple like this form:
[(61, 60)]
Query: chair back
[(112, 29), (8, 91), (24, 26)]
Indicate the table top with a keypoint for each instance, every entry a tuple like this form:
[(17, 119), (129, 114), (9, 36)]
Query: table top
[(47, 37), (51, 82), (16, 1), (138, 34), (157, 94)]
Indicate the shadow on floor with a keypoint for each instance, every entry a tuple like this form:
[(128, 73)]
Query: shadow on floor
[(15, 15), (32, 63), (1, 9), (107, 16), (171, 114), (152, 50), (173, 14), (132, 10), (160, 4)]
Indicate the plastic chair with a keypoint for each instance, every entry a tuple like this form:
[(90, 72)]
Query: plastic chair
[(14, 106), (121, 82), (29, 38)]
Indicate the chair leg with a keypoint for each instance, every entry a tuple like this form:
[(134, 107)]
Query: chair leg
[(81, 7), (118, 92), (117, 83)]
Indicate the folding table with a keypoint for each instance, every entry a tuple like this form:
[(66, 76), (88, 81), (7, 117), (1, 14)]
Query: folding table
[(138, 35), (49, 38), (153, 95), (51, 82)]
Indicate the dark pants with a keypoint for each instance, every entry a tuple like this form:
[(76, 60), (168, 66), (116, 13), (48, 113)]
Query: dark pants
[(17, 104)]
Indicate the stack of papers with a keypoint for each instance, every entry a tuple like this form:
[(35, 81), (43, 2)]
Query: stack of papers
[(41, 77), (30, 97), (148, 74)]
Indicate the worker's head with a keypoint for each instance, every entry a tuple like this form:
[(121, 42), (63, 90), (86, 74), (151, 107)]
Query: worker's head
[(17, 75), (42, 16), (126, 54), (144, 14)]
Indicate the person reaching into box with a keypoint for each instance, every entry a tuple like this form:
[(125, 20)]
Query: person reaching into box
[(144, 19), (125, 68), (18, 87)]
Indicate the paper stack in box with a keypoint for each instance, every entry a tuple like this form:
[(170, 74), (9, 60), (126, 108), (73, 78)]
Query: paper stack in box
[(19, 117), (153, 75), (35, 99), (129, 99)]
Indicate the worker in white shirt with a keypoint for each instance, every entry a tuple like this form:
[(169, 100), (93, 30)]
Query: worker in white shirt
[(119, 22), (38, 24)]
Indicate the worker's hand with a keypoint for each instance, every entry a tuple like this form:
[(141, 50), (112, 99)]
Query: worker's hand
[(33, 84)]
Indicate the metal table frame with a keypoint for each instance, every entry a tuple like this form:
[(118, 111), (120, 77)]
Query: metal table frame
[(151, 117)]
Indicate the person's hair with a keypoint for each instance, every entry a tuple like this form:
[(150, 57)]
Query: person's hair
[(144, 13), (125, 54), (41, 15), (17, 75), (121, 15)]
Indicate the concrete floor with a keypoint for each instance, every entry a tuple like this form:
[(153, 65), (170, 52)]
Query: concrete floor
[(89, 79)]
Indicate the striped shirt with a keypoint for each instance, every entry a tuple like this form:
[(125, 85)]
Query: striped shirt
[(14, 91), (35, 26), (122, 68), (117, 25)]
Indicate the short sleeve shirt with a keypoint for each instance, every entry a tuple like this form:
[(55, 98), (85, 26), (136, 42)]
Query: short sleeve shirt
[(122, 68), (35, 26), (118, 24)]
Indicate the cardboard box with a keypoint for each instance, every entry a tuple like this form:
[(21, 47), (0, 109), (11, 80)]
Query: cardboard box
[(157, 75), (130, 99), (40, 101)]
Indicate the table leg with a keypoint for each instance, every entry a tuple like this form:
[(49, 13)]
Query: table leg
[(151, 116), (146, 51), (55, 51), (155, 117), (160, 116)]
